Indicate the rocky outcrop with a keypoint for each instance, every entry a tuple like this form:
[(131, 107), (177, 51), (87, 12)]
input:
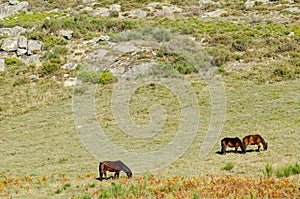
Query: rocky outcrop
[(21, 45), (12, 7)]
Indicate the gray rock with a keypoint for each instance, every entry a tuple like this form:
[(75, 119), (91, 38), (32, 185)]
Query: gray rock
[(138, 13), (9, 44), (3, 54), (32, 76), (2, 65), (23, 42), (12, 32), (216, 13), (70, 65), (103, 12), (72, 81), (67, 34), (115, 7), (31, 59), (125, 47), (7, 9), (136, 69), (209, 2), (13, 2), (35, 46), (21, 51)]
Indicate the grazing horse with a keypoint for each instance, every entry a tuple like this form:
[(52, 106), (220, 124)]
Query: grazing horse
[(113, 166), (255, 140), (232, 142)]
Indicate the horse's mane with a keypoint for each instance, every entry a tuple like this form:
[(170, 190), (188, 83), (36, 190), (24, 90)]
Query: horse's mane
[(262, 140), (124, 167)]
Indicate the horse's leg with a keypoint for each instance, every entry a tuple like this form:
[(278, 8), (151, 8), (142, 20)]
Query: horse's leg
[(258, 147), (236, 148), (117, 174)]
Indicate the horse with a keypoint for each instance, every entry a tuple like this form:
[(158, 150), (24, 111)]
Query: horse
[(113, 166), (232, 142), (255, 140)]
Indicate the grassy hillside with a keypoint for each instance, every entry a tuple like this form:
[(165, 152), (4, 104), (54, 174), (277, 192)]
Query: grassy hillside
[(255, 50)]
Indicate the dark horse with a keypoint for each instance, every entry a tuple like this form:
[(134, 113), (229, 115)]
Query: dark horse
[(255, 140), (232, 142), (113, 166)]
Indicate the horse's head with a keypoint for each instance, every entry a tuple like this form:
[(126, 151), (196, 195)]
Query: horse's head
[(266, 146), (129, 174)]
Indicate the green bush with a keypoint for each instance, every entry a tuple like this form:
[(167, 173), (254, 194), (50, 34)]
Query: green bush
[(95, 77), (49, 40), (60, 50), (12, 61), (228, 166), (48, 68)]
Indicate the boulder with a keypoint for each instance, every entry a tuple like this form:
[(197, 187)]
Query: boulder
[(66, 34), (103, 12), (23, 42), (125, 47), (70, 65), (10, 44), (34, 47), (12, 7), (138, 13)]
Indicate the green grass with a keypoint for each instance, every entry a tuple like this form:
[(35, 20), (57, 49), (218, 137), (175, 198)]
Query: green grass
[(289, 170)]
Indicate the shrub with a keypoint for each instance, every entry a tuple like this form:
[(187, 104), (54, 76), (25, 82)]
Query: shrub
[(48, 68), (60, 50), (95, 77), (268, 170), (107, 77), (12, 61), (228, 166), (220, 55)]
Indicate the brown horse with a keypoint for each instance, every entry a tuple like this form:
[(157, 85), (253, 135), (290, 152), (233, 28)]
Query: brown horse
[(255, 140), (113, 166), (232, 142)]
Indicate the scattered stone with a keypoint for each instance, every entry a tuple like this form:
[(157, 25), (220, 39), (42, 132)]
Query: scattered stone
[(70, 66), (103, 12), (138, 13), (66, 34), (209, 2), (115, 7), (66, 75), (72, 81), (216, 13), (32, 76)]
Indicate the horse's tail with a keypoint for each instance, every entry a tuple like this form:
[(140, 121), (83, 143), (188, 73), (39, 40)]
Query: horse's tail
[(223, 146), (100, 171)]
